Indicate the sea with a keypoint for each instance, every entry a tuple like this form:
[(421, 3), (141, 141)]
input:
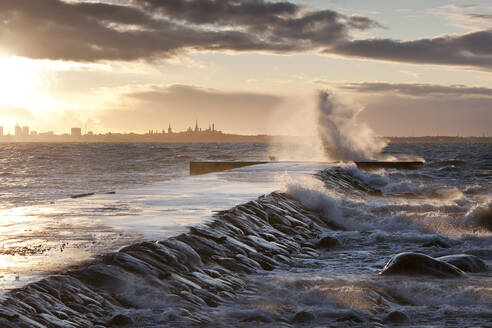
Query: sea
[(112, 251)]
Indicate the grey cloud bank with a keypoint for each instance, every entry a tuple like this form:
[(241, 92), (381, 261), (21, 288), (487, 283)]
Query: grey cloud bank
[(418, 90), (53, 29), (469, 50), (149, 29)]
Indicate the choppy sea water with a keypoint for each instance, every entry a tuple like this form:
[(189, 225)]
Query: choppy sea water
[(441, 209), (32, 173)]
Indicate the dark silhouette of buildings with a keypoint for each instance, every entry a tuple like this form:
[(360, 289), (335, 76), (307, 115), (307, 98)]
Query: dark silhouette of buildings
[(76, 132), (190, 135), (18, 131), (195, 134)]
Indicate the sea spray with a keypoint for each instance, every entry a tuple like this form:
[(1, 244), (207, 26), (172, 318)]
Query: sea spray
[(343, 137), (480, 215), (312, 194), (327, 129)]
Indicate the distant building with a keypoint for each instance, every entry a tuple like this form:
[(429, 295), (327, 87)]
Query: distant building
[(76, 132), (46, 134), (25, 131), (196, 126), (1, 131), (169, 130), (34, 133), (18, 131), (90, 133)]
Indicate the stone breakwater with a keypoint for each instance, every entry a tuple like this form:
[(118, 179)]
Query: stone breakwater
[(184, 275)]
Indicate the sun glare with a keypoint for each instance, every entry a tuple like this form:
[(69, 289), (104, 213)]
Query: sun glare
[(24, 83), (18, 80)]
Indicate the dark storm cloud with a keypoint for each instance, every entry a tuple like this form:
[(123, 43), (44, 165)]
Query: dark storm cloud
[(418, 90), (223, 12), (469, 50), (281, 19), (147, 29), (79, 31)]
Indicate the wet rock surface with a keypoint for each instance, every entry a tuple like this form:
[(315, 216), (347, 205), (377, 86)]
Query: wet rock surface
[(396, 317), (420, 264), (303, 317), (202, 268), (327, 242), (465, 262)]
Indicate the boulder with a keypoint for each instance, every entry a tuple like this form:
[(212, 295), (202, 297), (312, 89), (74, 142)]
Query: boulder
[(437, 243), (420, 264), (120, 320), (465, 262), (327, 242), (395, 317), (303, 317)]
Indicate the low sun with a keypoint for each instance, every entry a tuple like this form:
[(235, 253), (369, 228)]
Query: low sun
[(19, 79), (24, 86)]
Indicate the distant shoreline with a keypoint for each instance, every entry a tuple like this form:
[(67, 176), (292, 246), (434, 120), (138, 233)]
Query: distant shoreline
[(133, 137), (439, 139), (215, 138)]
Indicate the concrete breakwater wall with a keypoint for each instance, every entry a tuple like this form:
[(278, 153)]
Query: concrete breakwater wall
[(180, 276), (205, 167)]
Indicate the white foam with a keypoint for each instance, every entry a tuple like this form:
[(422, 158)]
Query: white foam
[(480, 215)]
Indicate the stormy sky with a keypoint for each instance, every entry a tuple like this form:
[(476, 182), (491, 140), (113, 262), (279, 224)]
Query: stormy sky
[(419, 67)]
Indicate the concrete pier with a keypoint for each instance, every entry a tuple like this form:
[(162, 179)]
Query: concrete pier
[(209, 167), (197, 168), (374, 165)]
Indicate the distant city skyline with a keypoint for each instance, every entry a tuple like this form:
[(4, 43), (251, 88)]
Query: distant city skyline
[(25, 132)]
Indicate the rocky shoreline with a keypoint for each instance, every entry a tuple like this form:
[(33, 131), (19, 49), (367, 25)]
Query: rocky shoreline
[(202, 268), (180, 281)]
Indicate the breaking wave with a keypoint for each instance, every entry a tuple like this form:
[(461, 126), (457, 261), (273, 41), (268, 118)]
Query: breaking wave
[(343, 137)]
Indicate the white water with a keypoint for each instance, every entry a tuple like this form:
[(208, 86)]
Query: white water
[(344, 138)]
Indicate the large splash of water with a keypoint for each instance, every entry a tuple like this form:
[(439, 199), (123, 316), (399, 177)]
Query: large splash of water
[(343, 137)]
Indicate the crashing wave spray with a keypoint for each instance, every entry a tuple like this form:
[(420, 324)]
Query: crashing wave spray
[(342, 136)]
